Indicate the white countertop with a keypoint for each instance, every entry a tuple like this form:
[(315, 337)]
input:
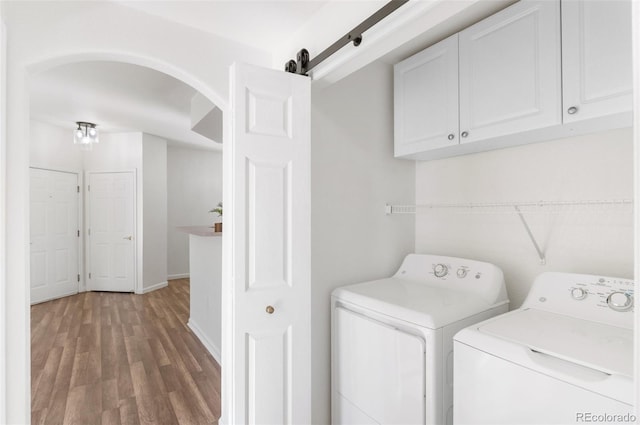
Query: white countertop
[(199, 230)]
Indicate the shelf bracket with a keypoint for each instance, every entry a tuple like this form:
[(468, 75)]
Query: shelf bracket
[(543, 260)]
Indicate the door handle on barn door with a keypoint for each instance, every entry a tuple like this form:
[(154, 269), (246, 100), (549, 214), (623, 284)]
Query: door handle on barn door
[(128, 237)]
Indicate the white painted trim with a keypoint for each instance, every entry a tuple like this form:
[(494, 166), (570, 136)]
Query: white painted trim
[(178, 276), (210, 346), (635, 18), (155, 287), (227, 388), (137, 228), (3, 215), (56, 297)]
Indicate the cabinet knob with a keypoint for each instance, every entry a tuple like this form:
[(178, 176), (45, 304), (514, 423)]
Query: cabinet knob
[(572, 110), (464, 134), (270, 309), (450, 136)]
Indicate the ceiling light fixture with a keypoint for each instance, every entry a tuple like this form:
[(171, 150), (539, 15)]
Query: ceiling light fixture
[(85, 135)]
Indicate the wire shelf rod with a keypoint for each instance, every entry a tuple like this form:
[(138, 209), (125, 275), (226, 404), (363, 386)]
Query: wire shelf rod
[(412, 209)]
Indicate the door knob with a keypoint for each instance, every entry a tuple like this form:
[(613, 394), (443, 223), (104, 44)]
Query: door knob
[(450, 136), (270, 309), (572, 110), (465, 134), (128, 238)]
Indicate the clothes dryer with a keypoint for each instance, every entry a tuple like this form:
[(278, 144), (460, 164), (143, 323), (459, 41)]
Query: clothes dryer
[(392, 338)]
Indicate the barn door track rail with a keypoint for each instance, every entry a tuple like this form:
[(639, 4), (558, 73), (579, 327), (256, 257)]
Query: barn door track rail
[(304, 63), (511, 207)]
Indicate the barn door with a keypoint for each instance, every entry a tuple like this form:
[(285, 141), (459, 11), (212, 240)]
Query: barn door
[(266, 363)]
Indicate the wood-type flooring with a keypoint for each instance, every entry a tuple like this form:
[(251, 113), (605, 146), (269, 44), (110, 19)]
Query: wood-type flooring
[(112, 358)]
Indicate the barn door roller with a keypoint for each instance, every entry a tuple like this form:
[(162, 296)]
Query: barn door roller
[(303, 63)]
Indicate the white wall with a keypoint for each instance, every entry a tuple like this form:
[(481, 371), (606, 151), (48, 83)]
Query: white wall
[(194, 186), (115, 152), (52, 147), (205, 317), (353, 176), (598, 241), (154, 212)]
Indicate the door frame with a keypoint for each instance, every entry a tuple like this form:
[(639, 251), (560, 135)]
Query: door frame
[(15, 351), (3, 216), (137, 229), (80, 179)]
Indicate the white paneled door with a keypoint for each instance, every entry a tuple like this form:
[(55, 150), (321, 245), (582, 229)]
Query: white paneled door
[(111, 231), (267, 196), (54, 234)]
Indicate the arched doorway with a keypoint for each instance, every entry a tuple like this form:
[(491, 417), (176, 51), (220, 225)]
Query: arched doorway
[(17, 296)]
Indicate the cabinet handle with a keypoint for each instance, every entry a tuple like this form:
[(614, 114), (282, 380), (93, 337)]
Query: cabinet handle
[(465, 134), (572, 110), (450, 136), (270, 309)]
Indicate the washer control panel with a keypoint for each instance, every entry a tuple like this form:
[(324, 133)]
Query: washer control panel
[(603, 299)]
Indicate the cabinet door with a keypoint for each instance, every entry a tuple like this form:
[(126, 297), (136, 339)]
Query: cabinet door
[(426, 99), (510, 71), (596, 58)]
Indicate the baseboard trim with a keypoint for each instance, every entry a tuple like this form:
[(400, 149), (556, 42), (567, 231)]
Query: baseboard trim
[(178, 276), (155, 287), (211, 348), (55, 297)]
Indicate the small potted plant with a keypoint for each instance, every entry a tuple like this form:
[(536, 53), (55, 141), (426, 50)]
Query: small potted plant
[(218, 210)]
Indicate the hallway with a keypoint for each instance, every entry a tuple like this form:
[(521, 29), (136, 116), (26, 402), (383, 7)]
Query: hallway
[(114, 358)]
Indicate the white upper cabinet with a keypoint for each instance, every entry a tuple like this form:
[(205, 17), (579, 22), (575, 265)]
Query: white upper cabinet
[(510, 72), (426, 99), (537, 70), (596, 58)]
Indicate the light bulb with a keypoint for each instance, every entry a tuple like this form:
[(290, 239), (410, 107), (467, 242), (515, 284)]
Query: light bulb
[(93, 132), (79, 134)]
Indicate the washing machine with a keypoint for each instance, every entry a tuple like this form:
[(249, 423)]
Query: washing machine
[(564, 357), (392, 338)]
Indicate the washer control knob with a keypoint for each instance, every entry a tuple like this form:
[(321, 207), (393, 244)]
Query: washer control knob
[(620, 301), (462, 273), (578, 294), (440, 270)]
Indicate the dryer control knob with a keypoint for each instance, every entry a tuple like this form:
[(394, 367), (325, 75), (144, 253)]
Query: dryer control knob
[(440, 270), (462, 273), (620, 301), (578, 294)]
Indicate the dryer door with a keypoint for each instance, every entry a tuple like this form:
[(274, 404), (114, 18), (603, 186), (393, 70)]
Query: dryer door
[(380, 372)]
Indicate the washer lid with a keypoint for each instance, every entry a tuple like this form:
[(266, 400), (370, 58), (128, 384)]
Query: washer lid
[(595, 345), (414, 302)]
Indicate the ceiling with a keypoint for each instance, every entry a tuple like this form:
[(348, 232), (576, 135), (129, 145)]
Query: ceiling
[(119, 97), (257, 23), (123, 97)]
